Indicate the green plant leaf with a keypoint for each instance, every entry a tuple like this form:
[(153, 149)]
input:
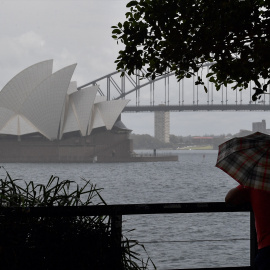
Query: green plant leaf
[(131, 3)]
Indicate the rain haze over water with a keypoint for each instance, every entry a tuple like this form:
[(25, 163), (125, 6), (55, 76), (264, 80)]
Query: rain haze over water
[(77, 31)]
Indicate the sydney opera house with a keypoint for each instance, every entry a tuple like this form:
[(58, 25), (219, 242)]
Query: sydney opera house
[(44, 118)]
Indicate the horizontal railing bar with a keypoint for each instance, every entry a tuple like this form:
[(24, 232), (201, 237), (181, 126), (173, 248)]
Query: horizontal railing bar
[(126, 209), (195, 240), (217, 268)]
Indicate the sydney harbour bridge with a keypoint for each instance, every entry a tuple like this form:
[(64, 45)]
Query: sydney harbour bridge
[(148, 95)]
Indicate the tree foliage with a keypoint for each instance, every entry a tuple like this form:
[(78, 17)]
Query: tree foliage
[(181, 36), (145, 141)]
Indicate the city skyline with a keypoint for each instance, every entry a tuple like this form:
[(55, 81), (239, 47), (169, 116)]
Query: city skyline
[(251, 129)]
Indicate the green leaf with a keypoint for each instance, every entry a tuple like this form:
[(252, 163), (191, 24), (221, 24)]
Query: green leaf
[(137, 16), (116, 31), (212, 79), (209, 74), (131, 3), (257, 83), (128, 14)]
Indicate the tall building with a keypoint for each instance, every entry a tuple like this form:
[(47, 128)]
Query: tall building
[(162, 126), (259, 126)]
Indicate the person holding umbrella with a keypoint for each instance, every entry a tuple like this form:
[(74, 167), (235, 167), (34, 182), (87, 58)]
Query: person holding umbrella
[(247, 160)]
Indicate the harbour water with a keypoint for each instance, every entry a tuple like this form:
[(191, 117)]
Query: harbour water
[(172, 240)]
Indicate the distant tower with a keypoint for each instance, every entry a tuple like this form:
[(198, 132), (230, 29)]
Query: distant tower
[(259, 126), (162, 126)]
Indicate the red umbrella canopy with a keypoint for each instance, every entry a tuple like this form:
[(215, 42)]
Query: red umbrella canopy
[(247, 160)]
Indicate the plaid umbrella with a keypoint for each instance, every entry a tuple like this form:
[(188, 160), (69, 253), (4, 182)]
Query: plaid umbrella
[(247, 160)]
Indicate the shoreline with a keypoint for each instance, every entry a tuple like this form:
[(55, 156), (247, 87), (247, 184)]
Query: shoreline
[(138, 158)]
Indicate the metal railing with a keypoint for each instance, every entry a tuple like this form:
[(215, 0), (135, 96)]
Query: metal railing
[(116, 212)]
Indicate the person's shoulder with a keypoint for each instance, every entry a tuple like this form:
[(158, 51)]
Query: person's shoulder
[(242, 187), (238, 195)]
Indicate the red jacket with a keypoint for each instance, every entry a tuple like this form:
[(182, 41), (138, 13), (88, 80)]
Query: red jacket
[(260, 202)]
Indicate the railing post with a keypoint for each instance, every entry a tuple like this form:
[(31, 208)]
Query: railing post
[(116, 242), (253, 240)]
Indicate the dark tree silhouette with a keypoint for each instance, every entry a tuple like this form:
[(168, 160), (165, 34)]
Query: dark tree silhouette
[(183, 35)]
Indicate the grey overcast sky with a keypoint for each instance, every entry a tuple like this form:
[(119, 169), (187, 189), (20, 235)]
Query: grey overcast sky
[(74, 31)]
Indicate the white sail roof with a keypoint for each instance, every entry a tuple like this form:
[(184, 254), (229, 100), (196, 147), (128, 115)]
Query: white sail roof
[(72, 88), (83, 101), (97, 120), (45, 104), (18, 125), (19, 87), (5, 116), (79, 112), (37, 100), (110, 110), (100, 99), (71, 122)]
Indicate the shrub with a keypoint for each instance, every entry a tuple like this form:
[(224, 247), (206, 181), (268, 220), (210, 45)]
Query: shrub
[(28, 242)]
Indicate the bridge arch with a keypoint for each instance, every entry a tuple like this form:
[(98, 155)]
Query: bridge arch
[(115, 86), (134, 81)]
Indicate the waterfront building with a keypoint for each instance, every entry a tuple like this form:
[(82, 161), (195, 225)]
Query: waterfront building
[(44, 118)]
